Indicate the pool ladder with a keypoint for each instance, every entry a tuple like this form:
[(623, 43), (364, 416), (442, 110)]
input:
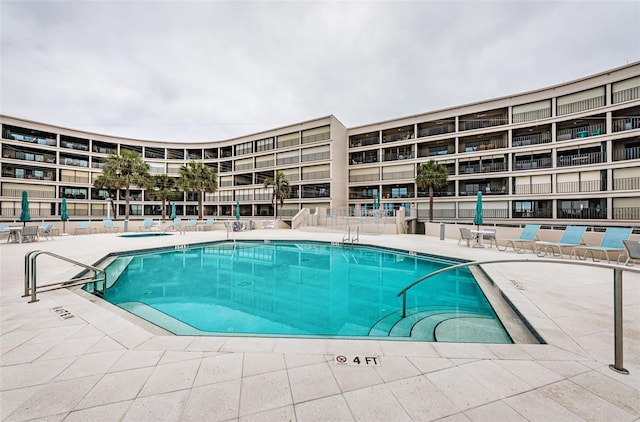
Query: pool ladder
[(352, 239), (30, 276)]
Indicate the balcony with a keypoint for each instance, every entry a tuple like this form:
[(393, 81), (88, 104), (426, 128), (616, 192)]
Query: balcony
[(482, 144), (626, 213), (28, 155), (398, 175), (582, 186), (626, 123), (580, 132), (29, 135), (33, 193), (533, 189), (484, 120), (398, 134), (626, 183), (364, 140), (580, 159), (532, 164), (531, 139), (31, 173), (317, 156), (486, 167), (434, 129)]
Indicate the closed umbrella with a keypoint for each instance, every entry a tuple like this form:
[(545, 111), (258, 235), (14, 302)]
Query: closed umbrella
[(63, 215), (237, 210), (477, 220), (173, 211), (24, 214)]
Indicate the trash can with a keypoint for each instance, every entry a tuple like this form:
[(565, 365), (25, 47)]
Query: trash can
[(441, 231), (126, 226)]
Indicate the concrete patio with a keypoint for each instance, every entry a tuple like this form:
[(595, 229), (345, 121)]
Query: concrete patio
[(103, 365)]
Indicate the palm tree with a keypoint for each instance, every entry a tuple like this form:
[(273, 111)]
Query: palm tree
[(431, 175), (199, 178), (164, 189), (123, 171), (281, 189)]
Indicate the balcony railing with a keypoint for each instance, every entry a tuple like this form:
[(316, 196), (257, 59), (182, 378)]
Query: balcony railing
[(586, 214), (33, 212), (627, 153), (398, 175), (436, 130), (486, 213), (325, 174), (482, 168), (396, 157), (364, 178), (32, 193), (483, 123), (626, 213), (626, 183), (531, 139), (627, 123), (582, 105), (580, 132), (533, 189), (316, 156), (538, 213), (582, 186), (537, 163), (626, 95), (580, 159)]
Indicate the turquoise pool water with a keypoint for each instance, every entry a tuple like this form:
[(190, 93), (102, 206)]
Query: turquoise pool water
[(301, 289)]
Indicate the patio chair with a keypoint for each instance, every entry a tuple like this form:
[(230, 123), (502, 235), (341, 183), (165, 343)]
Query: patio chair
[(30, 234), (633, 251), (47, 230), (83, 226), (176, 226), (465, 234), (4, 230), (193, 225), (109, 226), (611, 242), (571, 238), (209, 224), (491, 237), (527, 237), (146, 224)]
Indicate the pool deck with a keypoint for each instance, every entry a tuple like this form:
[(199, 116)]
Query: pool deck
[(100, 365)]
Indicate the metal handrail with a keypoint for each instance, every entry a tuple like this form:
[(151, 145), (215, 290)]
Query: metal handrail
[(617, 294), (30, 275)]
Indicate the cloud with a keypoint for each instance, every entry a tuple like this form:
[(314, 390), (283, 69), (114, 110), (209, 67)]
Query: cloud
[(206, 71)]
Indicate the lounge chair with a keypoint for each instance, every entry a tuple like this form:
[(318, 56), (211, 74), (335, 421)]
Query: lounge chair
[(527, 237), (633, 251), (146, 225), (176, 226), (193, 225), (4, 230), (209, 224), (30, 234), (109, 226), (82, 226), (571, 238), (47, 231), (465, 234), (611, 242)]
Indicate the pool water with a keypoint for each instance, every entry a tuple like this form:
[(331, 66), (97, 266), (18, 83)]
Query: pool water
[(147, 234), (302, 289)]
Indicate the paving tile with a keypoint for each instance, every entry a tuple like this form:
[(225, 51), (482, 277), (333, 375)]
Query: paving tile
[(265, 392), (464, 391), (426, 365), (106, 344), (133, 359), (293, 360), (54, 398), (131, 337), (355, 377), (13, 399), (29, 374), (496, 411), (584, 403), (421, 399), (332, 408), (535, 406), (463, 351), (9, 340), (407, 348), (532, 373), (312, 382), (25, 353), (219, 402), (173, 356), (171, 377), (624, 396), (458, 417), (106, 413), (176, 343), (375, 403), (71, 347), (565, 369), (248, 344), (495, 378), (205, 344), (285, 413), (90, 364), (394, 367), (115, 387), (219, 368), (162, 407), (259, 363)]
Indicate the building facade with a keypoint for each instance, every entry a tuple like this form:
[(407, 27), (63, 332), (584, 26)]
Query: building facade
[(567, 154)]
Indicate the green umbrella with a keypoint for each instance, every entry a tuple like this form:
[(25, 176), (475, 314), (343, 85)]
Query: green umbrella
[(376, 201), (237, 210), (173, 211), (477, 220), (24, 214), (63, 214)]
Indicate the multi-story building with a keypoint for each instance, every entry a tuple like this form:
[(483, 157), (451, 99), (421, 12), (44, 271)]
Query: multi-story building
[(568, 153)]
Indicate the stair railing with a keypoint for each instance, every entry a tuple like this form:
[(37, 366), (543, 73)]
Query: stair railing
[(617, 366), (31, 287)]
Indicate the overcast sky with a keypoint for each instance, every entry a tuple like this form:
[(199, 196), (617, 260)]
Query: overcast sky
[(208, 70)]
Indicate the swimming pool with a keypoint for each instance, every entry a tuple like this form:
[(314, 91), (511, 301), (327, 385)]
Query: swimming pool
[(301, 289)]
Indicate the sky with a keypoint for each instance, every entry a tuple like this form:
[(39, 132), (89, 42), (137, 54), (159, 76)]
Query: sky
[(194, 71)]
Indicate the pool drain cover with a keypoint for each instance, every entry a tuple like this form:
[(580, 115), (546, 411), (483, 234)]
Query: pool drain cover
[(244, 284)]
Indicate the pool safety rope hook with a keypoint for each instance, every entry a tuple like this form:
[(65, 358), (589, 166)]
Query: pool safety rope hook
[(617, 366)]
